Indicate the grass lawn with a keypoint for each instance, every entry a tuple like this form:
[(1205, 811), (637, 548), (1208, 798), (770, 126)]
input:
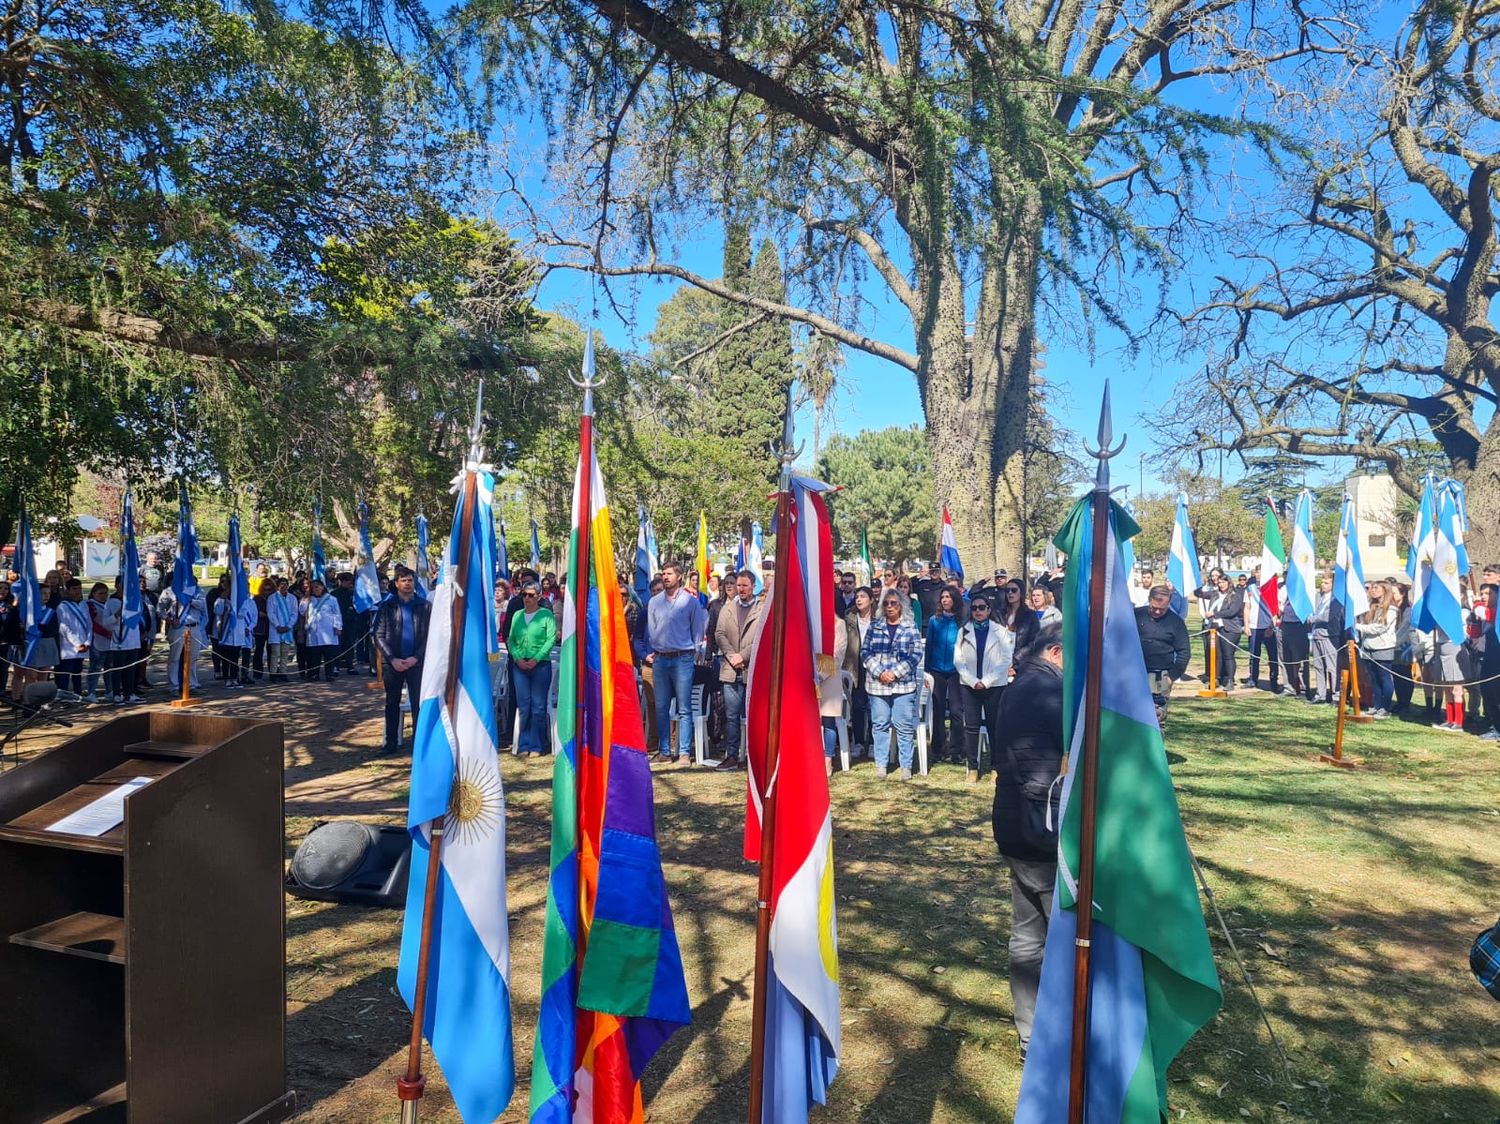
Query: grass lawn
[(1353, 896)]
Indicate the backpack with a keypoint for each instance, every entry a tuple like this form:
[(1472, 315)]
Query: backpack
[(1484, 959)]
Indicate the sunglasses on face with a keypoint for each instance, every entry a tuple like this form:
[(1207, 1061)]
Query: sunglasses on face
[(527, 596)]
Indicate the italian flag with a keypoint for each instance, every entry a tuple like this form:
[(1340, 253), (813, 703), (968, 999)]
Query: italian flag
[(1272, 563)]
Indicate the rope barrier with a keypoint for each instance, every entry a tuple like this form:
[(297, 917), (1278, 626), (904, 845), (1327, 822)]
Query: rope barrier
[(1242, 645)]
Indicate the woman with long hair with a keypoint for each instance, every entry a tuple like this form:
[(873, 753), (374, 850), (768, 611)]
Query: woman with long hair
[(859, 619), (1013, 614), (941, 636), (1376, 630)]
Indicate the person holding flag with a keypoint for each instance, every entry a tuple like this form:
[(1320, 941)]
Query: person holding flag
[(454, 972), (1125, 984), (1300, 602), (613, 988), (1267, 615), (182, 605)]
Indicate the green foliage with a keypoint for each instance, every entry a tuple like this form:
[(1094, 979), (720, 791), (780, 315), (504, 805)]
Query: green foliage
[(885, 488), (1280, 477)]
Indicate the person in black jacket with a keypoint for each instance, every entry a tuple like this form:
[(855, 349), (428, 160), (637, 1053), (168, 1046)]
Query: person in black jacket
[(1164, 643), (1226, 612), (401, 636), (1027, 763)]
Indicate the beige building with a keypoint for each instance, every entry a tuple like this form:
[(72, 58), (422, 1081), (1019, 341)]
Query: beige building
[(1375, 517)]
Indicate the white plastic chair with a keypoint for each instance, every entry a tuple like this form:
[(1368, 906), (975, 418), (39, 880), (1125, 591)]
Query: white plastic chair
[(924, 720), (699, 719), (552, 699), (841, 723)]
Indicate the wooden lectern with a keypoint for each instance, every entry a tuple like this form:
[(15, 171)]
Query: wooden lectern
[(142, 970)]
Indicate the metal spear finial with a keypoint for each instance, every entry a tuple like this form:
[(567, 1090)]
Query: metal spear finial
[(589, 379), (1103, 453), (783, 450), (476, 451)]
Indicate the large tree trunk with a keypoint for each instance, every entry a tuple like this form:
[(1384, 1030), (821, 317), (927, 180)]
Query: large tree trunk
[(975, 395), (1483, 486)]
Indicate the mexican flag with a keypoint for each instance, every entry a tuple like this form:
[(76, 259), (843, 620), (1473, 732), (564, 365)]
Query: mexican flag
[(864, 555), (1272, 563)]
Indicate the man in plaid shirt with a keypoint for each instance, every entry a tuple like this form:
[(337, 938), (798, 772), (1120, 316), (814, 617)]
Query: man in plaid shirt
[(892, 655)]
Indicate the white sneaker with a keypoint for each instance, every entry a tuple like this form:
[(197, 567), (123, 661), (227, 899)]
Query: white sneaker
[(1490, 736), (136, 698)]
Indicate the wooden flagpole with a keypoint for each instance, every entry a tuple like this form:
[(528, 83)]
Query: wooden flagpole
[(1087, 782), (784, 545), (411, 1085)]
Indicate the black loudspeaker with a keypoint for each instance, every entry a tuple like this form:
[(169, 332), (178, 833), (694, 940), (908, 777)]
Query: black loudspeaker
[(349, 861)]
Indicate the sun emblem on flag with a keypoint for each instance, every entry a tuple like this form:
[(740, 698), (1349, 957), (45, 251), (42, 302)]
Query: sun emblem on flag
[(1304, 556), (474, 805), (1450, 569)]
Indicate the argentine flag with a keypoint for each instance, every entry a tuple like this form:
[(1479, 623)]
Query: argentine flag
[(455, 781), (1461, 526), (367, 592), (755, 558), (239, 610), (424, 562), (948, 553), (1301, 576), (1420, 550), (1349, 571), (1182, 563), (1442, 601)]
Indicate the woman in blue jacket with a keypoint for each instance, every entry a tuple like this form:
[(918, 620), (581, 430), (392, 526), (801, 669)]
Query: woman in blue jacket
[(941, 636)]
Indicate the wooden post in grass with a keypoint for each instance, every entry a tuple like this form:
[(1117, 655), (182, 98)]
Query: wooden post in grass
[(1354, 714), (1337, 756), (1211, 689), (376, 683), (186, 698)]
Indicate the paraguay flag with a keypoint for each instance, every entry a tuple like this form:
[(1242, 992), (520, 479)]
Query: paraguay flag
[(1153, 983), (802, 1003), (1349, 571), (319, 563), (455, 783), (1272, 563), (367, 591), (613, 989), (948, 554), (1301, 576), (1183, 573)]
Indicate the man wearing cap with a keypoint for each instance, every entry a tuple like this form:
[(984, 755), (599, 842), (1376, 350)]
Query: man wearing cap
[(401, 636)]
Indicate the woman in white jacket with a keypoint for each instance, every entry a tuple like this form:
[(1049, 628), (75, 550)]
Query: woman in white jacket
[(1377, 645), (325, 621), (982, 657)]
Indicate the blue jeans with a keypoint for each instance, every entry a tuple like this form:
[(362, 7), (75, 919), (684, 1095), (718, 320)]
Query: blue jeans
[(533, 685), (1384, 683), (734, 717), (887, 711), (672, 677)]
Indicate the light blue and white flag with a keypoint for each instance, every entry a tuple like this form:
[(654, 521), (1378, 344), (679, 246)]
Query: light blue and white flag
[(1301, 567), (755, 557), (948, 550), (184, 577), (502, 552), (1127, 548), (1348, 571), (367, 592), (455, 780), (30, 610), (1461, 525), (238, 607), (536, 548), (424, 561), (1442, 601), (319, 563), (646, 561), (1183, 572), (1420, 549), (130, 579)]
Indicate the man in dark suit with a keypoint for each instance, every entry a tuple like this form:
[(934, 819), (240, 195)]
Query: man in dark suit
[(401, 635)]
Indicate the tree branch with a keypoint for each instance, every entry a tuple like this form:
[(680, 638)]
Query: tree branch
[(889, 273), (129, 327)]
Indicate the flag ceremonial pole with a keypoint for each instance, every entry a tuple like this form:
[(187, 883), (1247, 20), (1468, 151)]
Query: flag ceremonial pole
[(1088, 775), (785, 544), (411, 1085)]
